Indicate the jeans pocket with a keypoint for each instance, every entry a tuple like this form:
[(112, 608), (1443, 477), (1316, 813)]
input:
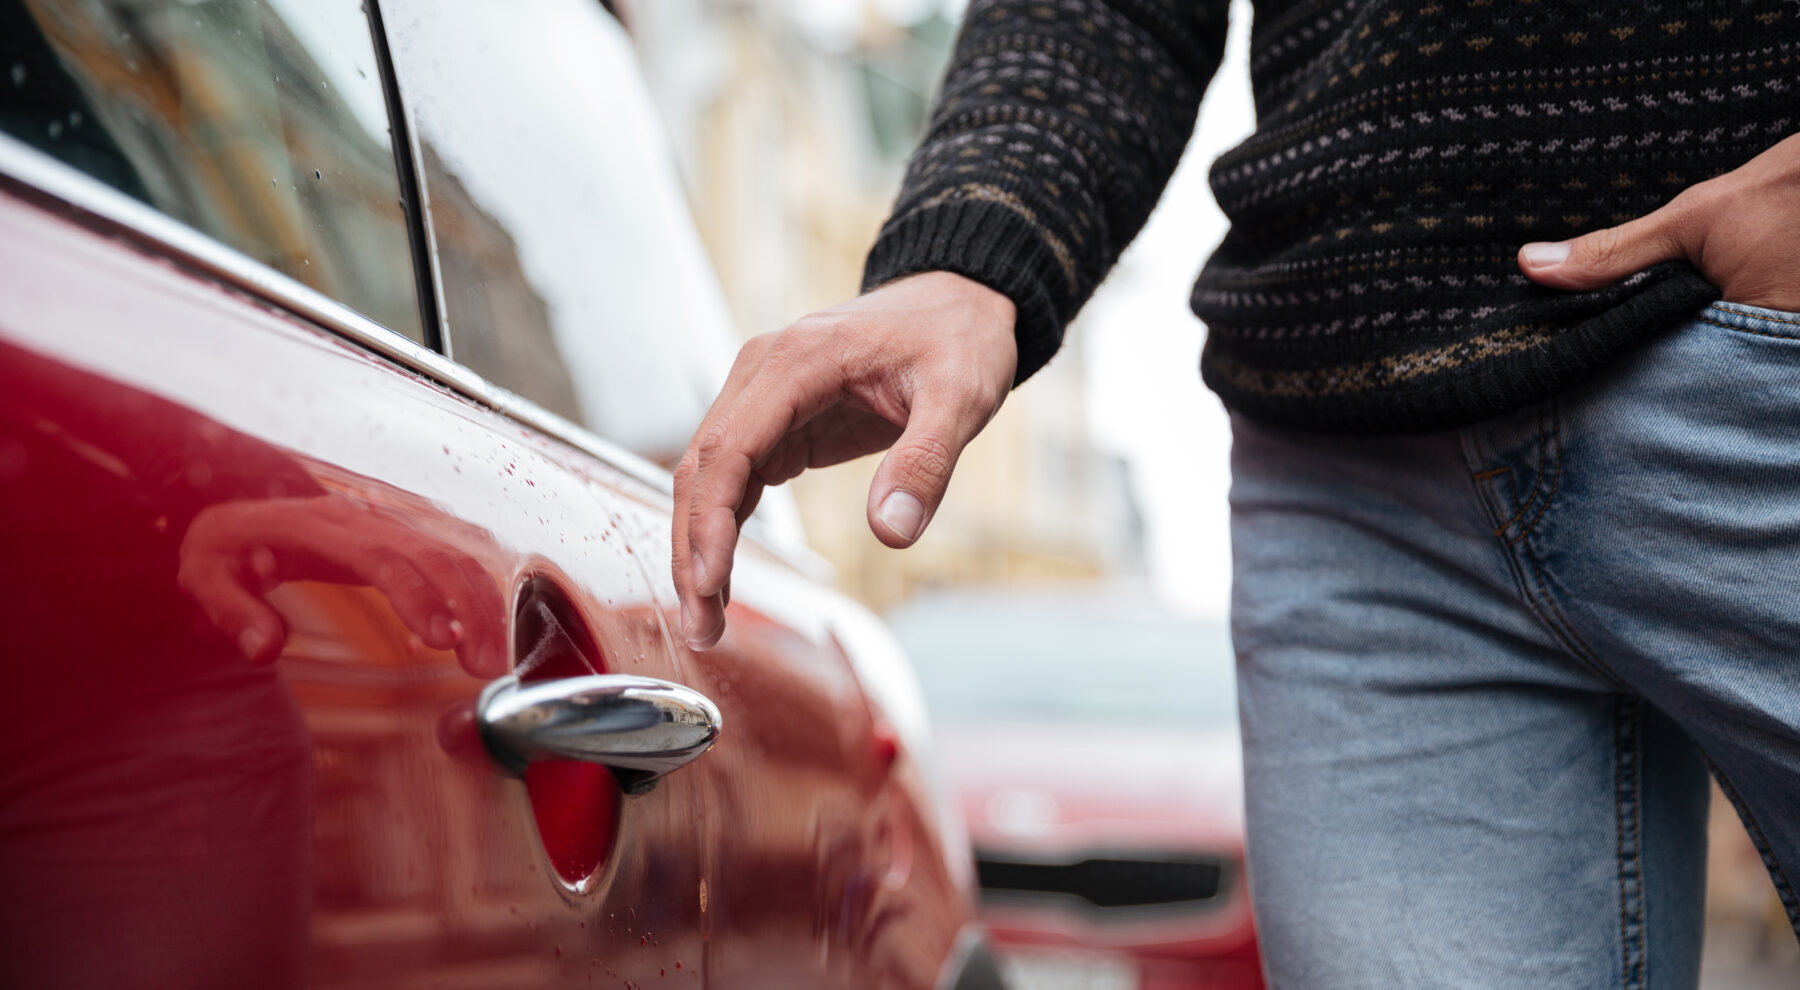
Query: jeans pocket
[(1756, 320)]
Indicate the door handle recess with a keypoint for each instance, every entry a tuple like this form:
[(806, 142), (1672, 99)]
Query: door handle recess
[(640, 727)]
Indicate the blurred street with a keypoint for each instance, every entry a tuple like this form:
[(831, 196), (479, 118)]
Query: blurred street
[(792, 119)]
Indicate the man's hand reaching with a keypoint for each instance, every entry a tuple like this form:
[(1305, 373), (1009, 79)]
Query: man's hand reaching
[(919, 365)]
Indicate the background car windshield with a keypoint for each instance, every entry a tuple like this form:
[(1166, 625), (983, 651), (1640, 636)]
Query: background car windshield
[(261, 123), (1076, 662)]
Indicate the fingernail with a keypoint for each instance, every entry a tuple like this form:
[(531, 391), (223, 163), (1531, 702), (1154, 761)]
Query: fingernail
[(1545, 254), (903, 513), (251, 641), (687, 621), (699, 570)]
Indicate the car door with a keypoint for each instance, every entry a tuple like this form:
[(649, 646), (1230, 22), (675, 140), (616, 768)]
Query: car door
[(572, 274), (265, 549)]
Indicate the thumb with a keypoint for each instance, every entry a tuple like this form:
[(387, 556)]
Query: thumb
[(1604, 257), (913, 477)]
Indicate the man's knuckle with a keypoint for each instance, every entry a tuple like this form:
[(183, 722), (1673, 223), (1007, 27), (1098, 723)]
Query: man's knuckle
[(1696, 201), (975, 398), (929, 458), (1603, 247), (752, 352), (714, 439)]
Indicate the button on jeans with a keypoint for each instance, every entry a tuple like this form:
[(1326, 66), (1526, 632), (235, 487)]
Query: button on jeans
[(1484, 673)]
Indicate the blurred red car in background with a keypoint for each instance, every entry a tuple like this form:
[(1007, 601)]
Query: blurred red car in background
[(339, 345), (1092, 745)]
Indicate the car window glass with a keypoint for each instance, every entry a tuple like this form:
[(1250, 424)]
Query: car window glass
[(261, 123), (572, 272)]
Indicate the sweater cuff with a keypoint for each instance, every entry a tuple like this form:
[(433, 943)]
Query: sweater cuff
[(990, 244)]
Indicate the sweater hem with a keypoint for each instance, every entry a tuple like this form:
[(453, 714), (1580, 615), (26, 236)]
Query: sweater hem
[(1540, 367)]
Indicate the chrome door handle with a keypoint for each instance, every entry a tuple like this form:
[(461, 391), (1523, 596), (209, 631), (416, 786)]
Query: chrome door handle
[(641, 727)]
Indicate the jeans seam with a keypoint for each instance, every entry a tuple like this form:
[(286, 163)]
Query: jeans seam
[(1551, 614), (1627, 809), (1512, 492), (1759, 333), (1556, 446), (1537, 480), (1784, 888), (1522, 556), (1549, 449)]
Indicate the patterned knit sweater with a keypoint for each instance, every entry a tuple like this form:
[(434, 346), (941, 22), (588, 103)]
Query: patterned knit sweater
[(1404, 150)]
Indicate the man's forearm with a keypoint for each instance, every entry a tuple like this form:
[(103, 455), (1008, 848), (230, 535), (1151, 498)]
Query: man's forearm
[(1056, 131)]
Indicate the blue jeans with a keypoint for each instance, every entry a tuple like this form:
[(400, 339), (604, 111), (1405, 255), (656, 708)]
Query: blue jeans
[(1484, 673)]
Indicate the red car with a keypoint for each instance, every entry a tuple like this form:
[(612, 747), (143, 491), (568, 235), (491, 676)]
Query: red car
[(336, 638), (1092, 743)]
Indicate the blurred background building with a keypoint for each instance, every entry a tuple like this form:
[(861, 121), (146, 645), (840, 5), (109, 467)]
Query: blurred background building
[(791, 121)]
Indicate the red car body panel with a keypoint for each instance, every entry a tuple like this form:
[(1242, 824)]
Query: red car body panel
[(185, 806)]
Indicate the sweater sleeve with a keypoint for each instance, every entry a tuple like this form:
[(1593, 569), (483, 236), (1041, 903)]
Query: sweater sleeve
[(1058, 125)]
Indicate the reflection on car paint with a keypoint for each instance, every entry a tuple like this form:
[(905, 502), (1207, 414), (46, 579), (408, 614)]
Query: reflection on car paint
[(180, 466)]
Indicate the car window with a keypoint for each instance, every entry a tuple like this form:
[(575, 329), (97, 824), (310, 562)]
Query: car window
[(571, 270), (261, 123)]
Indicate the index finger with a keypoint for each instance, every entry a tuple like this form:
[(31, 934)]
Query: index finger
[(681, 562), (725, 455)]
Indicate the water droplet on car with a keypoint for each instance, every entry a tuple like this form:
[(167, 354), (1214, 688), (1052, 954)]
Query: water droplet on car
[(317, 175), (18, 73), (559, 952), (75, 118), (56, 129), (274, 181)]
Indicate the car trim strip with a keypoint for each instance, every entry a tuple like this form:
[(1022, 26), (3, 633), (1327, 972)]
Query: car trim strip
[(29, 167), (29, 170), (412, 194)]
